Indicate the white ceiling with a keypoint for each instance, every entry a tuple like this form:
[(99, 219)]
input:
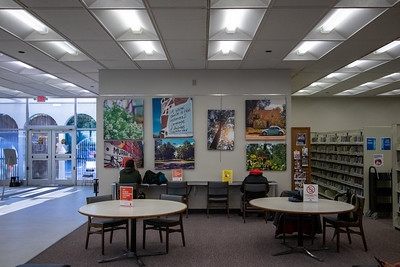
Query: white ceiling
[(182, 27)]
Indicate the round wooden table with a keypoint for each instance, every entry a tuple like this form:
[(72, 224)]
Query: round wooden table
[(282, 204), (142, 208)]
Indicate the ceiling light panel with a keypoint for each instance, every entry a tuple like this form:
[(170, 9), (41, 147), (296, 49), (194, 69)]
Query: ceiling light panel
[(114, 4), (343, 23), (315, 51), (22, 30), (127, 25), (234, 24), (140, 50), (227, 50), (367, 3), (239, 3)]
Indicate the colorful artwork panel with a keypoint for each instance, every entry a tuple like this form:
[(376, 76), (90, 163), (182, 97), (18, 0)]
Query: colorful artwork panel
[(266, 119), (123, 119), (221, 129), (268, 157), (175, 153), (117, 152), (172, 117)]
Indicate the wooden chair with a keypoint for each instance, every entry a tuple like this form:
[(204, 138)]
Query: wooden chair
[(217, 195), (168, 224), (102, 225), (179, 188), (348, 227), (261, 190)]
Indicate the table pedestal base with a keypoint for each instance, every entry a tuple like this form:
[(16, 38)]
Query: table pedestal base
[(300, 249), (130, 254)]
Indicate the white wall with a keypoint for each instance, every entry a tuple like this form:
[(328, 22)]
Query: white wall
[(339, 113), (238, 85)]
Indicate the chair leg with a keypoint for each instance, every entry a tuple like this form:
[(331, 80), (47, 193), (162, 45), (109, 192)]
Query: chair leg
[(348, 234), (87, 237), (160, 233), (183, 236), (166, 239), (363, 238), (337, 231), (127, 236), (111, 235), (102, 241), (323, 231), (144, 236)]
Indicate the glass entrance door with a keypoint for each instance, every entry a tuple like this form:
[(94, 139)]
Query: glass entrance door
[(52, 157)]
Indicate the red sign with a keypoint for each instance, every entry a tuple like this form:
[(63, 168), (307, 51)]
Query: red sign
[(41, 98)]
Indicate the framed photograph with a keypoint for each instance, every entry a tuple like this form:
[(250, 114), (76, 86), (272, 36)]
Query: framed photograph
[(221, 129), (174, 153)]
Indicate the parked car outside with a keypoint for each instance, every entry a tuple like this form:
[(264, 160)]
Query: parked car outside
[(273, 130)]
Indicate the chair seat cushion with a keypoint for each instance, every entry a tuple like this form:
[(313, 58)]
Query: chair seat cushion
[(222, 199), (161, 221), (108, 221)]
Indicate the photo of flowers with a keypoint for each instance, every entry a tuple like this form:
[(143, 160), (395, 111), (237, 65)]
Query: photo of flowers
[(266, 119), (221, 129), (268, 157), (174, 153), (172, 117), (123, 119), (116, 152)]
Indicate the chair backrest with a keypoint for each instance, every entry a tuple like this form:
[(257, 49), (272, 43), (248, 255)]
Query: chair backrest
[(171, 197), (98, 199), (218, 188), (360, 207), (177, 188), (255, 188), (252, 191)]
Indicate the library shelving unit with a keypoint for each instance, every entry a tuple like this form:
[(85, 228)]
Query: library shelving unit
[(337, 162), (396, 176), (341, 161)]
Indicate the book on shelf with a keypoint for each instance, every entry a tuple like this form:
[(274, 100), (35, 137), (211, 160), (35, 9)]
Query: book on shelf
[(227, 176), (177, 175), (126, 196)]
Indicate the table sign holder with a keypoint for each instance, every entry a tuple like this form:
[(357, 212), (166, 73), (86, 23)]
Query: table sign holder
[(126, 196), (10, 156), (310, 193)]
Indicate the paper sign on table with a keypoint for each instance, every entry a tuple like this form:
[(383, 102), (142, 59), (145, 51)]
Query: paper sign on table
[(310, 193), (126, 195)]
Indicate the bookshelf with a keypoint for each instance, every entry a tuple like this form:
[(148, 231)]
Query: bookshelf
[(337, 162), (396, 176)]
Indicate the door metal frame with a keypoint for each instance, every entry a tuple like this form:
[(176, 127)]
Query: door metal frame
[(55, 156)]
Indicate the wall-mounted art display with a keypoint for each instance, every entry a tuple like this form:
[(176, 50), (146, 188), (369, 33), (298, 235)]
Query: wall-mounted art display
[(176, 153), (266, 119), (172, 117), (123, 119), (116, 152), (268, 157), (221, 129)]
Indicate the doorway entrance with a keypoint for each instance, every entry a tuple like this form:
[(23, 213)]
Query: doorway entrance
[(51, 156)]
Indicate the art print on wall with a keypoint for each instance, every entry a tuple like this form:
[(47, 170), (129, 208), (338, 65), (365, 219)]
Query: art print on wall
[(174, 153), (172, 117), (266, 119), (117, 152), (266, 157), (123, 119), (221, 129)]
